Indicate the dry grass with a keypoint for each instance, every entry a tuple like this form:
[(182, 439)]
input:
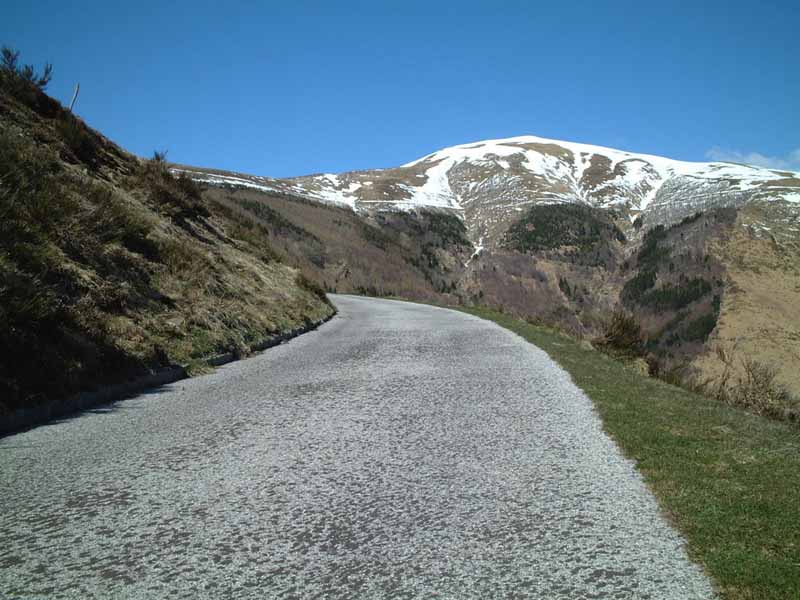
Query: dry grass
[(759, 315), (751, 385), (110, 266)]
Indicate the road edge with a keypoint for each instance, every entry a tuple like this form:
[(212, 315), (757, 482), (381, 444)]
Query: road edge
[(24, 419)]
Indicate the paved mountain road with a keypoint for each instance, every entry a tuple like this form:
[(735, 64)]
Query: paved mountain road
[(401, 451)]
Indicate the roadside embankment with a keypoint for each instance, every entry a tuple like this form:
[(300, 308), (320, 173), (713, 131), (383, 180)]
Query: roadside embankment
[(40, 414)]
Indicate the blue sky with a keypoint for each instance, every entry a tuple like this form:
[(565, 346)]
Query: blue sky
[(291, 88)]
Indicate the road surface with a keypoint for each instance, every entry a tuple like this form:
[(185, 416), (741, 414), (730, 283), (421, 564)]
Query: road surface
[(400, 451)]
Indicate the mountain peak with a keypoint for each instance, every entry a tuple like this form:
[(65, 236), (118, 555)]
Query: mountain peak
[(489, 182)]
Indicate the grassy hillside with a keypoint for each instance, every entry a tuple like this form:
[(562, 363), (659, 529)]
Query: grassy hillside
[(111, 267), (759, 315)]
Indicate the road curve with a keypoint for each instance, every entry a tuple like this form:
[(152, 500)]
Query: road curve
[(400, 451)]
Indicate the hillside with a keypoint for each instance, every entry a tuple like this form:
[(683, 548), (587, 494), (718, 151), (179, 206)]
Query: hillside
[(418, 254), (111, 267), (702, 255)]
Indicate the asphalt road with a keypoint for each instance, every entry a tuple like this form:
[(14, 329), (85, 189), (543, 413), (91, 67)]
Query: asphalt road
[(400, 451)]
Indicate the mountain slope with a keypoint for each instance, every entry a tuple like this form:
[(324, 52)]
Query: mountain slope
[(567, 233), (419, 254), (490, 182)]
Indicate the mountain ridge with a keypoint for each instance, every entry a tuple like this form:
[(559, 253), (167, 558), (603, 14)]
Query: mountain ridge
[(488, 183), (342, 187)]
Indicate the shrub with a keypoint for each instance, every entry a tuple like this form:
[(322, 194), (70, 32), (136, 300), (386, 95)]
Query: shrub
[(563, 285), (716, 303), (677, 375), (622, 335), (27, 73), (449, 228), (27, 86), (636, 287), (757, 390), (371, 291), (651, 253), (272, 218), (313, 287), (676, 296), (689, 219), (244, 226), (375, 236), (700, 328), (177, 197)]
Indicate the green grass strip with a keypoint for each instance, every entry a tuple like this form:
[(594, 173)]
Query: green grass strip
[(728, 480)]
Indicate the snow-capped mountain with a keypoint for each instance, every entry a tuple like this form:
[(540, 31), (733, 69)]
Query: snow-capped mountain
[(510, 230), (490, 182)]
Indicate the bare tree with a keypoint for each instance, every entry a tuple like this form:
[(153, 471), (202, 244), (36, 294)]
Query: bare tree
[(10, 64)]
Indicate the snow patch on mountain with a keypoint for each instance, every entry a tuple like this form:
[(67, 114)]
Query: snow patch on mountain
[(248, 181), (483, 180)]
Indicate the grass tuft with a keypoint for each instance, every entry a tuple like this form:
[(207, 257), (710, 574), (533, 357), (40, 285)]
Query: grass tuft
[(309, 285)]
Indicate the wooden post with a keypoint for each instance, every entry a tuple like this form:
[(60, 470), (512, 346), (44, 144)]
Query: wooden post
[(75, 96)]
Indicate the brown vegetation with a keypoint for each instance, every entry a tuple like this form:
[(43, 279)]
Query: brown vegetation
[(744, 382), (110, 266), (622, 335), (417, 255), (751, 385)]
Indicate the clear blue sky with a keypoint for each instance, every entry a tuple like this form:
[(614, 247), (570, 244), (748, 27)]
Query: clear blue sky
[(290, 88)]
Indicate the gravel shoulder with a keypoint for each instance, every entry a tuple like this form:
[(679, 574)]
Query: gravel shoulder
[(400, 451)]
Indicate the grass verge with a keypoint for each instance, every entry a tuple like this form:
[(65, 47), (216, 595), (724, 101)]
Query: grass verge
[(727, 479)]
